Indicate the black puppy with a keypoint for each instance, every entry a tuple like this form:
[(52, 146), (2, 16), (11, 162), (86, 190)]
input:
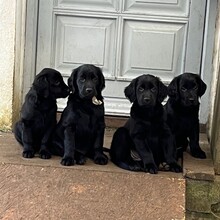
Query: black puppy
[(145, 141), (182, 110), (80, 131), (38, 113)]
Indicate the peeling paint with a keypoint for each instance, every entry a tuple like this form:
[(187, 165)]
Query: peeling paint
[(5, 119), (7, 57)]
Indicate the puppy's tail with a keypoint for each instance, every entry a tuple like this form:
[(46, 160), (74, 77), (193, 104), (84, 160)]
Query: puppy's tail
[(105, 149), (134, 166)]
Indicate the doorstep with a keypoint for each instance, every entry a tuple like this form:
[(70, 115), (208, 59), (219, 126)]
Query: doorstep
[(44, 189)]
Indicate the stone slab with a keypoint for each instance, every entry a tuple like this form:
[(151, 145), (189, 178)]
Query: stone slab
[(44, 189), (199, 169)]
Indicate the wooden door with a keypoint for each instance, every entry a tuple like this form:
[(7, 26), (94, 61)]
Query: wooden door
[(125, 38)]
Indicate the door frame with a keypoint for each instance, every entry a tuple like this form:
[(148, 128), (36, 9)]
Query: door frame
[(30, 50)]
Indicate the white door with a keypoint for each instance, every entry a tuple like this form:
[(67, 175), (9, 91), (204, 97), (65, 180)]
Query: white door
[(125, 38)]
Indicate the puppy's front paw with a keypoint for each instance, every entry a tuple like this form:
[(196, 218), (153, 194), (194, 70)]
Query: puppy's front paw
[(28, 154), (151, 168), (175, 167), (81, 160), (67, 161), (100, 159), (44, 154), (198, 153)]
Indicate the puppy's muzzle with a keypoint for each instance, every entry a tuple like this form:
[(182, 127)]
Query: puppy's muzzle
[(191, 100), (89, 90), (66, 91), (147, 100)]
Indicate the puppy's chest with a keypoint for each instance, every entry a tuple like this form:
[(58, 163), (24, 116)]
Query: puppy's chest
[(88, 121), (149, 127), (184, 124), (152, 127), (46, 106)]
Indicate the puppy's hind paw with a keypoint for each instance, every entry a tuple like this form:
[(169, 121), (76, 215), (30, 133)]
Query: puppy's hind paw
[(151, 168), (44, 154), (198, 153), (135, 168), (28, 154), (175, 167), (101, 159), (67, 161)]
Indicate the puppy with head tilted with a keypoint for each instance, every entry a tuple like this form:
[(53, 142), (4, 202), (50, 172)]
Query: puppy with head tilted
[(80, 131), (182, 109), (145, 141), (38, 114)]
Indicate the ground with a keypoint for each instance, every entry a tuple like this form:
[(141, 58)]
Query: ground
[(44, 189)]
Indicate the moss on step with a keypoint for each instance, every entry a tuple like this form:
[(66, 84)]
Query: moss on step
[(203, 197)]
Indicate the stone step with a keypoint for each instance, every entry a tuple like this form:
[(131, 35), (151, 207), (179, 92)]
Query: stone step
[(44, 189)]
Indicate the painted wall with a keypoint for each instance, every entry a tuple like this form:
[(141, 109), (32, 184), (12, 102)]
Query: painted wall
[(214, 120), (7, 57)]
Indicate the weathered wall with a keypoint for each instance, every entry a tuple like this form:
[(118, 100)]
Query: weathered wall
[(214, 120), (7, 56)]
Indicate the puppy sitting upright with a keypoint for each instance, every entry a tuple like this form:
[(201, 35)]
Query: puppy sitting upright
[(182, 110), (80, 131), (38, 113), (145, 141)]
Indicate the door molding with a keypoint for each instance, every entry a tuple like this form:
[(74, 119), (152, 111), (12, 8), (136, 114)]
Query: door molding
[(207, 58), (19, 58), (31, 27)]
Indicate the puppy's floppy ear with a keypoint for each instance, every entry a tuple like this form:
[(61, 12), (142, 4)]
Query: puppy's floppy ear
[(101, 85), (32, 97), (72, 80), (202, 87), (173, 89), (130, 90), (41, 84), (162, 91)]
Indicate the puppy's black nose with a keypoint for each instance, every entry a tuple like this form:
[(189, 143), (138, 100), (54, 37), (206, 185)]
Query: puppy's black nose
[(147, 99), (191, 99), (89, 90)]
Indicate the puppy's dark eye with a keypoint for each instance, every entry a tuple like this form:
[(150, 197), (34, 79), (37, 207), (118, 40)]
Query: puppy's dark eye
[(183, 89), (153, 89), (140, 89), (95, 79), (195, 88), (82, 79), (57, 83)]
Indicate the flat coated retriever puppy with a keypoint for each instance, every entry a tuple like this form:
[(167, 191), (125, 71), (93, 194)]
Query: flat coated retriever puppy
[(182, 110), (38, 113), (80, 131), (145, 141)]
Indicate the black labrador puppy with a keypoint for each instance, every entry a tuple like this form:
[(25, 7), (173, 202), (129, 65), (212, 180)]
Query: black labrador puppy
[(38, 113), (182, 110), (145, 141), (80, 131)]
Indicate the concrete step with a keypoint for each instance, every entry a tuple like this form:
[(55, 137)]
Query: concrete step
[(44, 189)]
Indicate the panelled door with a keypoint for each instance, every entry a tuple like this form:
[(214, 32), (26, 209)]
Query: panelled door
[(125, 38)]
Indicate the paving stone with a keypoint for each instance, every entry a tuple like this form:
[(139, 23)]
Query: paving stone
[(44, 189)]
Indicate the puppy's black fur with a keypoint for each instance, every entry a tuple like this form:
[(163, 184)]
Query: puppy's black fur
[(38, 113), (182, 110), (145, 141), (80, 131)]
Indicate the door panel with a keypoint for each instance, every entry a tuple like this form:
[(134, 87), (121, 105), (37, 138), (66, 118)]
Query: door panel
[(152, 47), (88, 5), (125, 38), (178, 8), (81, 39)]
